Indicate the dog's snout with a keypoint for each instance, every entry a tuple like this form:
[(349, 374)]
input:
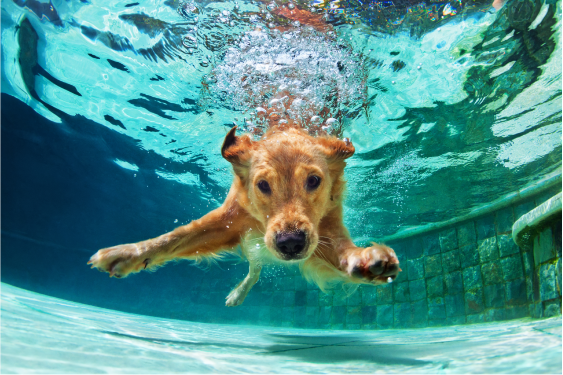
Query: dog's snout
[(291, 243)]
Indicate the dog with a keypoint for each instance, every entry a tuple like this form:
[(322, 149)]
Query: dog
[(284, 206)]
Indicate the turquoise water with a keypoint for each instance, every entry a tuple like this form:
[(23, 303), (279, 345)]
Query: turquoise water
[(113, 113), (42, 334)]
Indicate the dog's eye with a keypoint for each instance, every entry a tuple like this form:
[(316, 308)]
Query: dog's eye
[(313, 182), (264, 187)]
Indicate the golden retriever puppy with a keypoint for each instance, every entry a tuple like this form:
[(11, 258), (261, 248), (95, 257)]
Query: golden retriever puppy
[(285, 206)]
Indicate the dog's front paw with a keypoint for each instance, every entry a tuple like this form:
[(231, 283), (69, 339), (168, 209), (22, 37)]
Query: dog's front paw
[(375, 264), (119, 261)]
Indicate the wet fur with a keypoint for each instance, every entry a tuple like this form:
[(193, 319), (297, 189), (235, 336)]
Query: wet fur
[(285, 157)]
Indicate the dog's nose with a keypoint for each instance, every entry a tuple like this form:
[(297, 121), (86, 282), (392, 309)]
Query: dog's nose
[(291, 243)]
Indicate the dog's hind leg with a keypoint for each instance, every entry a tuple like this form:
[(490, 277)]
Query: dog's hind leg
[(237, 295)]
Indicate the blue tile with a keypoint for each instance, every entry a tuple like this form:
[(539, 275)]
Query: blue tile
[(472, 278), (492, 273), (485, 227), (450, 261), (468, 256), (488, 250), (494, 295), (401, 292), (300, 314), (312, 298), (474, 301), (504, 220), (466, 234), (435, 286), (455, 320), (548, 282), (300, 298), (354, 299), (512, 267), (402, 313), (516, 292), (288, 299), (454, 282), (385, 316), (544, 250), (475, 318), (353, 315), (448, 240), (277, 298), (369, 295), (339, 297), (417, 289), (506, 245), (324, 315), (338, 314), (433, 265), (414, 248), (416, 269), (419, 313), (325, 299), (369, 315), (431, 244), (384, 294), (455, 305), (436, 309)]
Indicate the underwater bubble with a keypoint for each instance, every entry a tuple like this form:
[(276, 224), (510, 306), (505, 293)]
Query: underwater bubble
[(296, 23), (316, 120), (291, 6), (330, 121), (271, 6), (271, 25), (257, 246)]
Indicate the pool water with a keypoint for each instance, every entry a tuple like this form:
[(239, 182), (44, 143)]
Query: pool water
[(41, 334)]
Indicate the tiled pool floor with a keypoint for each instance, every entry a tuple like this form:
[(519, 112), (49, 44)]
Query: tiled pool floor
[(41, 334)]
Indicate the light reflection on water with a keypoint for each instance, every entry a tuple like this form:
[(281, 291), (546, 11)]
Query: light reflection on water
[(429, 104)]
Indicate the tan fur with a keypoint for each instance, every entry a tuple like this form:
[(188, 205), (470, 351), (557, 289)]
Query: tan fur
[(285, 157)]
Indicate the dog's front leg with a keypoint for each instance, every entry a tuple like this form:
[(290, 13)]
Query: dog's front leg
[(218, 230), (237, 295)]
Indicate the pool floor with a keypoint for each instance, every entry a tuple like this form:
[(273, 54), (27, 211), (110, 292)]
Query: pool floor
[(42, 334)]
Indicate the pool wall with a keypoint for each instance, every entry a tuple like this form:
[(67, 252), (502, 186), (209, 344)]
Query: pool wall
[(66, 198)]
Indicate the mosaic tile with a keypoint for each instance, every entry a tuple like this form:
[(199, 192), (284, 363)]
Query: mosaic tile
[(435, 287), (401, 292), (450, 261), (468, 256), (485, 227), (300, 298), (466, 234), (431, 244), (474, 301), (419, 313), (384, 294), (504, 220), (369, 296), (488, 249), (436, 309), (402, 315), (472, 278), (312, 298), (417, 290), (455, 305), (516, 292), (414, 248), (454, 282), (512, 267), (369, 315), (416, 269), (492, 273), (448, 240), (506, 245), (432, 265), (353, 315), (385, 316), (494, 295), (548, 282), (543, 247), (338, 315)]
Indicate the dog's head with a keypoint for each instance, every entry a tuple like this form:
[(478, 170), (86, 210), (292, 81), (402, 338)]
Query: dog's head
[(290, 181)]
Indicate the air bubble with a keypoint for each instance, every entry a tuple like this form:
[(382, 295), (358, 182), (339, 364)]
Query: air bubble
[(291, 6)]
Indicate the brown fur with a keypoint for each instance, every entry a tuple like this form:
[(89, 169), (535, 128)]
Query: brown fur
[(285, 157)]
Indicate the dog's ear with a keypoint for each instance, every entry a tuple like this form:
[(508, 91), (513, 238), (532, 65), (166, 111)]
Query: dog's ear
[(236, 150), (336, 149)]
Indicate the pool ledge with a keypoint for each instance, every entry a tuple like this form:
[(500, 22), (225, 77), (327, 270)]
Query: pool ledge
[(529, 225)]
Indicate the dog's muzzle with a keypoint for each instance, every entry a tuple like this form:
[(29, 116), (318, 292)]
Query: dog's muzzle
[(291, 245)]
